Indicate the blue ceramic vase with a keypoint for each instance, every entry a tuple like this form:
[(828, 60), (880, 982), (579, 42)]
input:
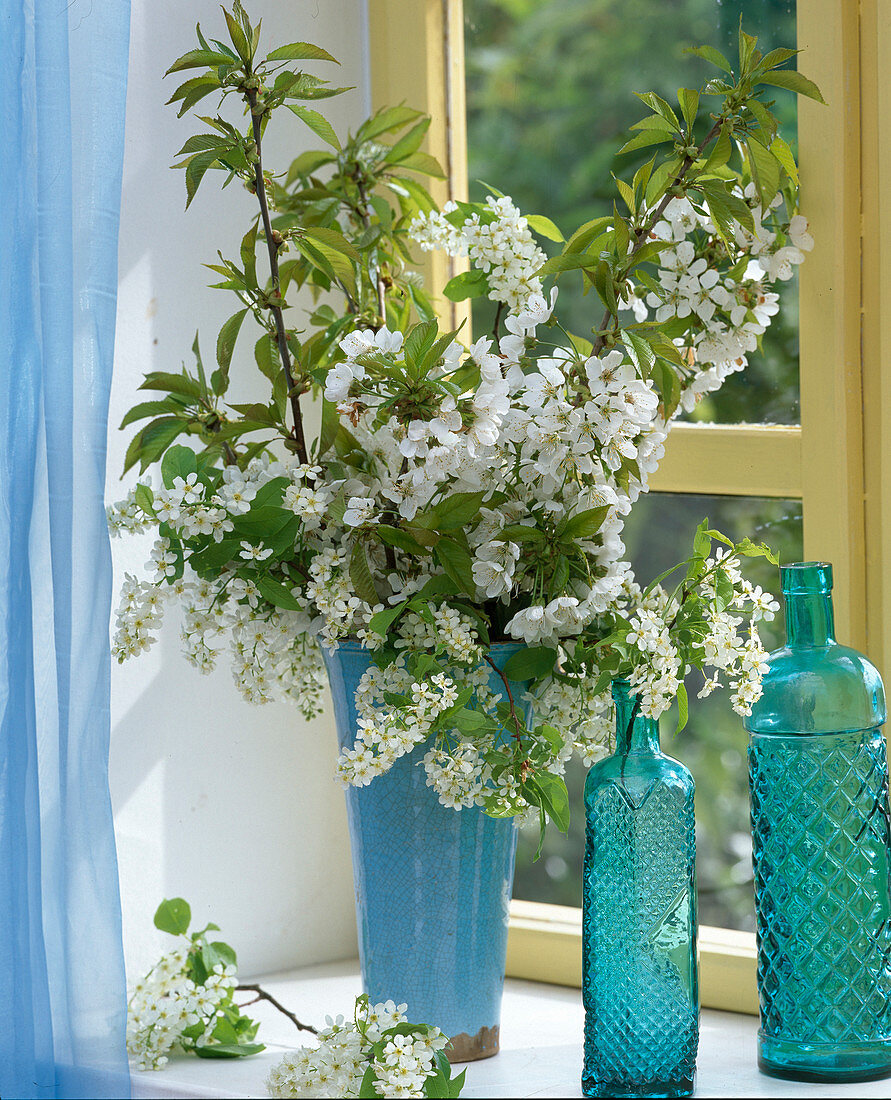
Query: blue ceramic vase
[(821, 848), (639, 976), (433, 886)]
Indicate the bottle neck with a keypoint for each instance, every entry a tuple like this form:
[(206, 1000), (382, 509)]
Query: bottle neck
[(634, 732), (809, 619)]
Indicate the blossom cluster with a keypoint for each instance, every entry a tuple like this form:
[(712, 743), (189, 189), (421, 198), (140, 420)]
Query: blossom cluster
[(167, 1003), (497, 240), (656, 657), (501, 474), (402, 1061), (727, 297)]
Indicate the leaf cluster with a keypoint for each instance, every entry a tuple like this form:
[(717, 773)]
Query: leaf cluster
[(234, 1032)]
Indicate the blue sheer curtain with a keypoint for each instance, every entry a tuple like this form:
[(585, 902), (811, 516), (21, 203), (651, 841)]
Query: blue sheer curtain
[(63, 68)]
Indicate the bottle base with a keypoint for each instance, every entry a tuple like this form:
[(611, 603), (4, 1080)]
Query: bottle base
[(601, 1087), (824, 1061)]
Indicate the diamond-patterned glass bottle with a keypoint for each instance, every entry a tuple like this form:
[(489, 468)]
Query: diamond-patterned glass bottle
[(819, 790), (639, 976)]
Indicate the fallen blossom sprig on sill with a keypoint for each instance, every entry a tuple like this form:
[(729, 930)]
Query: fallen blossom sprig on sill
[(377, 1053), (186, 1001)]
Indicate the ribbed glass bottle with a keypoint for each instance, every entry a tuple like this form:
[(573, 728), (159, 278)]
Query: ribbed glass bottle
[(819, 791), (639, 976)]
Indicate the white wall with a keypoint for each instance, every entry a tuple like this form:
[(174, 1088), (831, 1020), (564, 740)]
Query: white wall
[(230, 805)]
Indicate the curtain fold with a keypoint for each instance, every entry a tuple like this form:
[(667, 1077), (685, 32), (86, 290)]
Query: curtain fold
[(63, 67)]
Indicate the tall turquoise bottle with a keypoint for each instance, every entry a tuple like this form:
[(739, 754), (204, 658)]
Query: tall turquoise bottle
[(819, 789), (639, 976)]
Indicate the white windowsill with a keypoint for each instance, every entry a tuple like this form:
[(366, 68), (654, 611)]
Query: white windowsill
[(541, 1047)]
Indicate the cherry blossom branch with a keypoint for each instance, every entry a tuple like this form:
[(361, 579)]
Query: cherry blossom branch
[(275, 307), (641, 233)]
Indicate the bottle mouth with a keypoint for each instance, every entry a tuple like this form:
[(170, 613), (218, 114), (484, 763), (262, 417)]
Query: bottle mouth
[(806, 578)]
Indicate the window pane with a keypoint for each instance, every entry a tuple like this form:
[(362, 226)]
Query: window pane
[(550, 88), (713, 746)]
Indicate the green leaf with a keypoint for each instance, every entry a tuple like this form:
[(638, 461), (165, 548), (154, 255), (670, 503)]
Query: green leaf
[(554, 798), (173, 915), (396, 536), (765, 170), (226, 341), (531, 663), (381, 622), (457, 510), (195, 171), (228, 1050), (545, 227), (200, 59), (725, 209), (569, 261), (424, 163), (366, 1088), (720, 152), (709, 53), (239, 39), (145, 498), (300, 51), (261, 522), (420, 340), (560, 576), (409, 143), (178, 462), (267, 357), (795, 82), (780, 149), (149, 444), (213, 954), (584, 524), (777, 57), (520, 532), (457, 563), (152, 408), (360, 575), (642, 355), (437, 586), (277, 594), (469, 284), (689, 102), (702, 540), (766, 120), (683, 707), (317, 123), (214, 556), (181, 384), (660, 106), (332, 239), (645, 138), (586, 233), (249, 254)]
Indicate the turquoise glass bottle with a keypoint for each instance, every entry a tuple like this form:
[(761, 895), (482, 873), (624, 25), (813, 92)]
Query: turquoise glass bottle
[(639, 977), (819, 794)]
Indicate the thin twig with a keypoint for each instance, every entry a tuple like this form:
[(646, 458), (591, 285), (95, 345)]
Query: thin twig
[(365, 216), (262, 995), (497, 322), (513, 710), (272, 249)]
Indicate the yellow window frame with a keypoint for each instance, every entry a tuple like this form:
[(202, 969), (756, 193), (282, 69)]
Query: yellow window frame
[(417, 57)]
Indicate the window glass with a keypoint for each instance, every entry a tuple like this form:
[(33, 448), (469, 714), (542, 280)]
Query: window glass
[(713, 746), (550, 88)]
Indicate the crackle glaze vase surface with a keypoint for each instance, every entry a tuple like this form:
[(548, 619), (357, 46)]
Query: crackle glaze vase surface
[(433, 886), (822, 856), (639, 976)]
